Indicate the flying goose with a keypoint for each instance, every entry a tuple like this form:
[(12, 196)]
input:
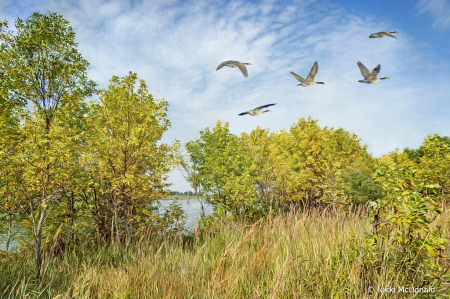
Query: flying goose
[(257, 111), (309, 81), (382, 34), (232, 63), (370, 77)]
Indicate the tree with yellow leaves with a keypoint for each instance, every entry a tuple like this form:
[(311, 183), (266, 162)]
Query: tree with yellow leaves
[(434, 165), (126, 127), (318, 156)]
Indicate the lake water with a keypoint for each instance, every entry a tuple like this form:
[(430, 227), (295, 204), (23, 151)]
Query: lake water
[(191, 207), (17, 233)]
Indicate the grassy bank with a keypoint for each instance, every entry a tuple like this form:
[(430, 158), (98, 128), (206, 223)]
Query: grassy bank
[(300, 255)]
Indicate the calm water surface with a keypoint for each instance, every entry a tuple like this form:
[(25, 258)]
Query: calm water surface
[(17, 233), (191, 207)]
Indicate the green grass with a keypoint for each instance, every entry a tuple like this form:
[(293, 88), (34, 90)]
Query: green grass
[(300, 255)]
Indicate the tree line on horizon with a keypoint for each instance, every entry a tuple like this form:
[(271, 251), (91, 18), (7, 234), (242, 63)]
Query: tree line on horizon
[(190, 193)]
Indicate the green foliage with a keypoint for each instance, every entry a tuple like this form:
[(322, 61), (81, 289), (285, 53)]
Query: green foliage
[(174, 218), (45, 43), (360, 186), (252, 173), (126, 162), (318, 157), (40, 65), (414, 154), (222, 161), (407, 213), (434, 166), (78, 173)]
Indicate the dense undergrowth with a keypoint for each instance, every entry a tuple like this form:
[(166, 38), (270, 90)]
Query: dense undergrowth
[(298, 255)]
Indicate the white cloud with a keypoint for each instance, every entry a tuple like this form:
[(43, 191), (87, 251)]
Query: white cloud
[(176, 46), (439, 9)]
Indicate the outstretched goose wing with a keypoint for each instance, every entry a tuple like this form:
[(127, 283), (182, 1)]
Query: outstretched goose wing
[(375, 71), (313, 71), (364, 71), (264, 106), (299, 78), (221, 65), (242, 67), (389, 34)]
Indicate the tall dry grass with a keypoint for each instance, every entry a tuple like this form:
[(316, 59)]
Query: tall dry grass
[(299, 255)]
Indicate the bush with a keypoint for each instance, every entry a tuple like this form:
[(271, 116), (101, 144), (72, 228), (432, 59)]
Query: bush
[(360, 186)]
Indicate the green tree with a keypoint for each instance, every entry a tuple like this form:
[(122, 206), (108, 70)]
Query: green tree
[(10, 140), (193, 176), (223, 163), (407, 213), (414, 154), (360, 186), (42, 67)]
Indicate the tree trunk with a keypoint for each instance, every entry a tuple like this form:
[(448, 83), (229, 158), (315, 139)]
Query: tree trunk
[(115, 218), (271, 203), (72, 215), (9, 232), (127, 226), (201, 201), (96, 214), (225, 204), (112, 229), (39, 233), (127, 229), (203, 208), (103, 224), (376, 221)]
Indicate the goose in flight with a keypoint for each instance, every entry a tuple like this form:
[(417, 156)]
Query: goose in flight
[(309, 81), (370, 77), (382, 34), (232, 63), (257, 111)]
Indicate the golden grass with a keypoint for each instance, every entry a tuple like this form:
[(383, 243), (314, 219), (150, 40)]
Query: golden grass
[(296, 256), (300, 255)]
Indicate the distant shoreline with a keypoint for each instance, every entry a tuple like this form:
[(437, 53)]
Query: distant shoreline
[(179, 197)]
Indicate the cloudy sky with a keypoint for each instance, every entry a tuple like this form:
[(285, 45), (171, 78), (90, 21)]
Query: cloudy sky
[(175, 46)]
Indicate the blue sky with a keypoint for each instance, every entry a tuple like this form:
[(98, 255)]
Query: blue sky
[(175, 46)]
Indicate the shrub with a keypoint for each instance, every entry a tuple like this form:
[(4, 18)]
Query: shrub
[(360, 186)]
